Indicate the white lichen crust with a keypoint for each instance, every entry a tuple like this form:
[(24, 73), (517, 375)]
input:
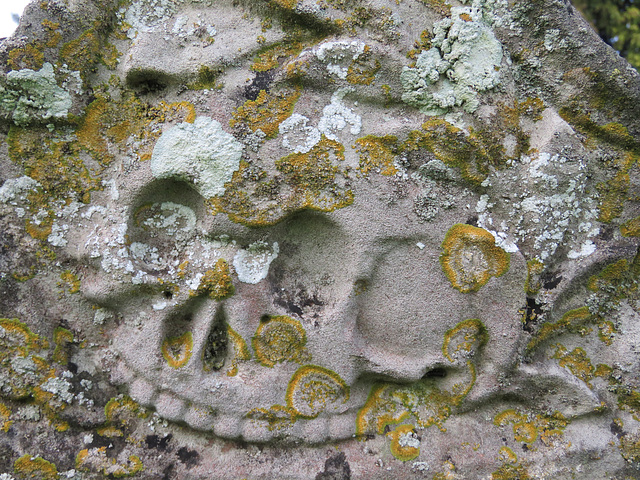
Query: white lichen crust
[(200, 152), (464, 60)]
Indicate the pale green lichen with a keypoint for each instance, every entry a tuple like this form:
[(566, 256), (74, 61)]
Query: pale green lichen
[(464, 60), (200, 152), (30, 96)]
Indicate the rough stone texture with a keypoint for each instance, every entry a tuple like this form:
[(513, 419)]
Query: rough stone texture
[(317, 239)]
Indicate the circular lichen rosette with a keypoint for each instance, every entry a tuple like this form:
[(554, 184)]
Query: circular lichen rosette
[(313, 390), (280, 339), (470, 257)]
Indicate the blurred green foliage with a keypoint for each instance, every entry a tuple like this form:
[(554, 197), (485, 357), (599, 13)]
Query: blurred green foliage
[(617, 22)]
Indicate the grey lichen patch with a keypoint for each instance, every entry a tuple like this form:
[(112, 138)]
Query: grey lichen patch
[(463, 61), (200, 152), (28, 96)]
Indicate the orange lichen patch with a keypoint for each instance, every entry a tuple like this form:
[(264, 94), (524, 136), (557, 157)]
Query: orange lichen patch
[(464, 340), (574, 321), (470, 257), (71, 281), (363, 69), (96, 460), (313, 389), (454, 147), (276, 416), (526, 428), (403, 441), (423, 400), (616, 277), (29, 56), (423, 43), (177, 350), (35, 468), (534, 270), (121, 413), (631, 228), (377, 154), (313, 180), (216, 283), (266, 112), (506, 455), (312, 177), (630, 448), (53, 33), (577, 362), (5, 415), (511, 472), (108, 123), (606, 332), (280, 339), (62, 338), (240, 349), (17, 333), (182, 269), (270, 57), (612, 195), (379, 411), (54, 161)]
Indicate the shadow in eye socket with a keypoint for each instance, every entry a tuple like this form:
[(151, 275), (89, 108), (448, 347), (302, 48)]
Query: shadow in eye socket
[(148, 81), (170, 190), (437, 372)]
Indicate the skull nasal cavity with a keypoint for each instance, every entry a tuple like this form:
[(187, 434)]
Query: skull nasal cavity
[(216, 345)]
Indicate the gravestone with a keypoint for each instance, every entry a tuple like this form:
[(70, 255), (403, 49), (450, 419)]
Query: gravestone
[(317, 239)]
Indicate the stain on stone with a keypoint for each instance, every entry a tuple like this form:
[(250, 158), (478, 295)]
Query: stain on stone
[(335, 468), (550, 280), (261, 81), (190, 458), (616, 429), (531, 313), (154, 441)]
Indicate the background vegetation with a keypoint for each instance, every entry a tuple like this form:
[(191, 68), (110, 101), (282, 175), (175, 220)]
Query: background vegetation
[(617, 22)]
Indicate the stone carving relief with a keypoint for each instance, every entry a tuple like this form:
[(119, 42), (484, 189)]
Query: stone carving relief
[(408, 229)]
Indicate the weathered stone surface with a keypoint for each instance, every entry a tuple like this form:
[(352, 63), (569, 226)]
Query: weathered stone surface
[(327, 240)]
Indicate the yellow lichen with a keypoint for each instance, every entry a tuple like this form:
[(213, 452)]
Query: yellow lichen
[(62, 338), (506, 455), (577, 362), (379, 411), (96, 460), (5, 415), (363, 69), (276, 416), (303, 181), (121, 413), (28, 467), (177, 350), (631, 228), (404, 452), (464, 340), (574, 321), (240, 349), (269, 58), (511, 472), (534, 270), (526, 428), (377, 154), (266, 112), (216, 283), (313, 389), (470, 257), (280, 339), (71, 280)]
